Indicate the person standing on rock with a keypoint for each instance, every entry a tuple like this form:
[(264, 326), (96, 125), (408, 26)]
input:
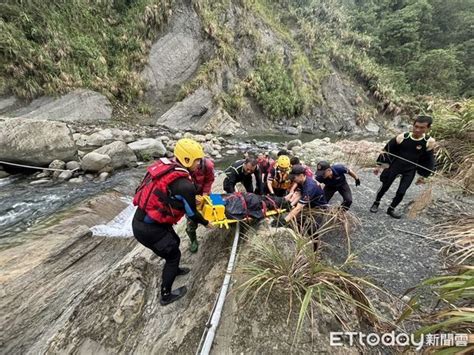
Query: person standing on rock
[(242, 171), (203, 177), (165, 195), (405, 155), (334, 180)]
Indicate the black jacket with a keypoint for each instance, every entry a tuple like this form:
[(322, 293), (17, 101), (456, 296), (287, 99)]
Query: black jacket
[(235, 174)]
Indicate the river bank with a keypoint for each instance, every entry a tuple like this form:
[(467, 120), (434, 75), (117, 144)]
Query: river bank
[(99, 294)]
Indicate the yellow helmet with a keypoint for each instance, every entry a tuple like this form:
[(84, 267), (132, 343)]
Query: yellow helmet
[(187, 151), (283, 162)]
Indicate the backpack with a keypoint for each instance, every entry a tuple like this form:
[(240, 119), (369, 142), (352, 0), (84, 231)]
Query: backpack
[(152, 195)]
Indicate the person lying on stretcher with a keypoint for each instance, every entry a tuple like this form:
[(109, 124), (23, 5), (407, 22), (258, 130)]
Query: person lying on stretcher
[(243, 205)]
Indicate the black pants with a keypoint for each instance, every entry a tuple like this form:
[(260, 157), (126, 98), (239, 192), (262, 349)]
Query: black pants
[(164, 242), (345, 192), (387, 177)]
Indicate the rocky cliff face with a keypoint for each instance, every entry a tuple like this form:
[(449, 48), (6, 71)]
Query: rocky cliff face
[(200, 73), (206, 72)]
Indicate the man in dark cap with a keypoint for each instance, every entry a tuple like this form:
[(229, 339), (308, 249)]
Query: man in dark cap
[(312, 195), (334, 180)]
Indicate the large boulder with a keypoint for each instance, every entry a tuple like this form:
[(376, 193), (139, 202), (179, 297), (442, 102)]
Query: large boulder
[(35, 142), (294, 143), (120, 153), (78, 105), (94, 161), (3, 173), (102, 137), (148, 148), (198, 113)]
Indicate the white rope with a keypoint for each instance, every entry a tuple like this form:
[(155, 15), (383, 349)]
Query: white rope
[(35, 167), (211, 326)]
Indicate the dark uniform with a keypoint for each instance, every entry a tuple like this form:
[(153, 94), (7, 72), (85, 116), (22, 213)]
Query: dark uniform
[(338, 183), (235, 173), (410, 151)]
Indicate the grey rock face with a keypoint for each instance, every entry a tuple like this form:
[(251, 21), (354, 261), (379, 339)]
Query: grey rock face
[(148, 147), (120, 153), (35, 142), (94, 161), (78, 105), (174, 58), (198, 113)]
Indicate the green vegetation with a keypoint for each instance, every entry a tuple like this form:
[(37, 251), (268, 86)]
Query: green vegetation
[(285, 263), (274, 89), (284, 84), (428, 41), (454, 128), (453, 292), (51, 47)]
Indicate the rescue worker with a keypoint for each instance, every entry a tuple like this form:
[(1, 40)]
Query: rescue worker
[(405, 155), (279, 181), (165, 195), (334, 180), (203, 177), (264, 162), (312, 195), (294, 194), (242, 171), (296, 161)]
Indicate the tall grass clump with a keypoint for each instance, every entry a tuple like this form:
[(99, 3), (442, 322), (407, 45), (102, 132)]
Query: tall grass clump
[(453, 293), (454, 128), (458, 233), (285, 262), (51, 47)]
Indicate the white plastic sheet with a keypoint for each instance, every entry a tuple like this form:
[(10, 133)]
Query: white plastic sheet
[(120, 226)]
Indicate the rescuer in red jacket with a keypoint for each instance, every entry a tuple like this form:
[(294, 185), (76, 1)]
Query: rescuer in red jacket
[(166, 194), (203, 177)]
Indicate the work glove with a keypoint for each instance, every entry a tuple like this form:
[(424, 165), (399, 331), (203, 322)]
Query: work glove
[(357, 181)]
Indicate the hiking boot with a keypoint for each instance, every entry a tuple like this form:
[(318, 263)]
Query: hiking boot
[(392, 213), (170, 297), (194, 246), (183, 271), (375, 207)]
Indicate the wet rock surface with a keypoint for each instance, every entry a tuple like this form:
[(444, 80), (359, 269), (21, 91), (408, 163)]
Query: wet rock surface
[(78, 105)]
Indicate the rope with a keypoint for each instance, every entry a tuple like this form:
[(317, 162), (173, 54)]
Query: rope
[(207, 339), (431, 171), (35, 167)]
